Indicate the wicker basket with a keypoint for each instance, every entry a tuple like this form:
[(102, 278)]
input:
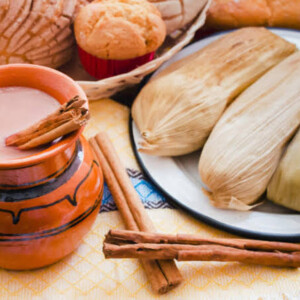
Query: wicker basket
[(107, 87)]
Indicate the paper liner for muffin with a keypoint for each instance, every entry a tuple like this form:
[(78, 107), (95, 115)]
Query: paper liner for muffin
[(104, 68)]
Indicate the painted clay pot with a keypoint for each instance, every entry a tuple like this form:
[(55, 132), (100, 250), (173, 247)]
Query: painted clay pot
[(48, 201)]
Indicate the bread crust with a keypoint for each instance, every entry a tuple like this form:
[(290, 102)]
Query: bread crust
[(178, 13), (119, 29), (37, 31), (224, 14)]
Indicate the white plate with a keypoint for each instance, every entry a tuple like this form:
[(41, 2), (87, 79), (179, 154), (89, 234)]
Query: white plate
[(179, 180)]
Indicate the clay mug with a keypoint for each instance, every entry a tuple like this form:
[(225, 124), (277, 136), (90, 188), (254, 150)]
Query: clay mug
[(49, 200)]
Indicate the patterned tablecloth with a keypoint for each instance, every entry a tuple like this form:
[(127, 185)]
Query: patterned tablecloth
[(85, 274)]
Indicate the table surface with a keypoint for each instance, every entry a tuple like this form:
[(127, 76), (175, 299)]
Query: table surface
[(86, 274)]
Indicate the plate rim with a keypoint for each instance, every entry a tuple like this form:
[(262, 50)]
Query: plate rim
[(295, 238), (196, 214)]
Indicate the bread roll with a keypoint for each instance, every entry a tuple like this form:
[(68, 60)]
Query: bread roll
[(178, 13), (225, 14), (119, 29), (37, 31)]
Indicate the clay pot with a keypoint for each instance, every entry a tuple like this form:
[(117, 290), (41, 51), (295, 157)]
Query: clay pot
[(48, 201)]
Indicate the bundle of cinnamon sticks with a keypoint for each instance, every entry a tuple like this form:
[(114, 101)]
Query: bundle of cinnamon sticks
[(162, 274), (69, 117), (185, 247)]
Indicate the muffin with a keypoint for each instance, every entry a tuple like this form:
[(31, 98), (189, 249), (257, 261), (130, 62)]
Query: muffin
[(116, 36)]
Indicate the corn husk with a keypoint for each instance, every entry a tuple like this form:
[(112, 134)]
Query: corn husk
[(176, 111), (284, 188), (245, 147)]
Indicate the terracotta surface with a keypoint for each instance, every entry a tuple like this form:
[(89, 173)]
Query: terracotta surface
[(48, 201)]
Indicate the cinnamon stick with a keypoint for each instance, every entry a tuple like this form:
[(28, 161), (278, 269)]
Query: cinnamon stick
[(68, 118), (163, 275), (131, 244), (133, 200), (52, 134), (183, 252), (20, 138), (286, 260), (126, 236), (114, 188), (138, 211), (152, 270), (153, 251)]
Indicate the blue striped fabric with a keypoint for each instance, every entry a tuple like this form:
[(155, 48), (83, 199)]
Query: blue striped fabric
[(149, 195)]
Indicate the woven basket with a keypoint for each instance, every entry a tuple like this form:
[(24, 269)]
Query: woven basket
[(107, 87)]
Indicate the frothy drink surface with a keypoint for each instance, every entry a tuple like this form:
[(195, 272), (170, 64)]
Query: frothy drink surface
[(21, 107)]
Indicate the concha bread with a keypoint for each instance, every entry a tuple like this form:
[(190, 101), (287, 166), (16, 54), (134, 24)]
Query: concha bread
[(238, 13), (37, 31), (178, 13)]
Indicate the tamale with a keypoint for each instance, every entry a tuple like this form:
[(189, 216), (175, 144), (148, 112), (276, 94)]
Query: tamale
[(244, 149), (176, 111), (284, 187)]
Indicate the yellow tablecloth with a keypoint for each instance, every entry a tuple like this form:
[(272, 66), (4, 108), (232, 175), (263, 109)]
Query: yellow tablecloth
[(85, 274)]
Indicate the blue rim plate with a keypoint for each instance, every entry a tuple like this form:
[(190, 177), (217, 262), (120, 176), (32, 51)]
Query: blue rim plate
[(177, 178)]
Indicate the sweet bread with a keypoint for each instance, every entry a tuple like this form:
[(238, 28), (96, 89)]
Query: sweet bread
[(37, 31), (178, 13), (224, 14)]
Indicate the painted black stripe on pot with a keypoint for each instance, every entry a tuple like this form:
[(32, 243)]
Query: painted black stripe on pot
[(49, 232), (46, 188), (40, 181), (60, 229), (72, 200)]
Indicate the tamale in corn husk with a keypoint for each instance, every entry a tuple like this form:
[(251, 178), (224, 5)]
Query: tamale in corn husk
[(176, 111), (284, 187), (244, 149)]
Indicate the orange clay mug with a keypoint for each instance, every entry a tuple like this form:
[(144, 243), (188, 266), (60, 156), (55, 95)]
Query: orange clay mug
[(48, 201)]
